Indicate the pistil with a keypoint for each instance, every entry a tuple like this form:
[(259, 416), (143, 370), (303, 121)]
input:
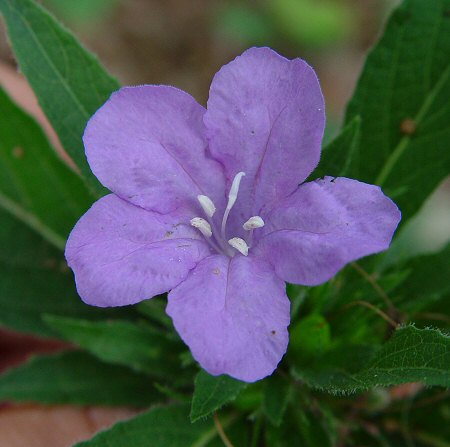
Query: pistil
[(232, 196)]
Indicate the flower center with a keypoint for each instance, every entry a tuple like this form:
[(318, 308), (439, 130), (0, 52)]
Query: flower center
[(218, 240)]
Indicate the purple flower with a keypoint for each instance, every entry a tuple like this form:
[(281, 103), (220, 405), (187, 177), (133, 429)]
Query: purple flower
[(206, 204)]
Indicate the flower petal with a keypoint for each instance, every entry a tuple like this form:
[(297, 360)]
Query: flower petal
[(265, 117), (146, 144), (233, 314), (122, 254), (324, 225)]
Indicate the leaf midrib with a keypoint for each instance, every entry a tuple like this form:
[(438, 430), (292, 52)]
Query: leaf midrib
[(64, 83), (32, 221), (404, 142)]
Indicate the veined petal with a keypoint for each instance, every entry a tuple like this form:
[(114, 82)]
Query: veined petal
[(324, 225), (265, 117), (122, 254), (233, 314), (146, 144)]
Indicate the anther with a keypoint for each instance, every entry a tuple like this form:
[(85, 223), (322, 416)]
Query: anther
[(203, 226), (253, 223), (239, 244), (207, 204)]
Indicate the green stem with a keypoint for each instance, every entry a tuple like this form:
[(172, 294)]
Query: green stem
[(206, 438), (256, 430)]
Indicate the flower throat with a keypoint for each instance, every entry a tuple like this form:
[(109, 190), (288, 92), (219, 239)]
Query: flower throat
[(216, 239)]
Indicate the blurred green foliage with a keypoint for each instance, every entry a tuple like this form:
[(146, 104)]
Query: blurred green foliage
[(304, 23), (82, 12), (310, 22)]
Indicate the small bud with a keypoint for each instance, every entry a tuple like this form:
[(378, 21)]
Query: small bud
[(202, 225), (207, 204), (240, 245), (253, 222)]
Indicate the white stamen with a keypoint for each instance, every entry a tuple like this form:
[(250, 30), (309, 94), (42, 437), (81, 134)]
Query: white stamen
[(207, 204), (232, 196), (253, 222), (240, 245), (202, 225)]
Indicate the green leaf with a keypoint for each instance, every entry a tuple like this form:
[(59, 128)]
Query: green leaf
[(158, 427), (35, 185), (427, 418), (285, 436), (121, 342), (212, 392), (305, 424), (69, 82), (312, 429), (155, 311), (297, 295), (34, 280), (250, 399), (428, 278), (75, 378), (403, 99), (411, 355), (341, 157), (424, 293), (277, 392)]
